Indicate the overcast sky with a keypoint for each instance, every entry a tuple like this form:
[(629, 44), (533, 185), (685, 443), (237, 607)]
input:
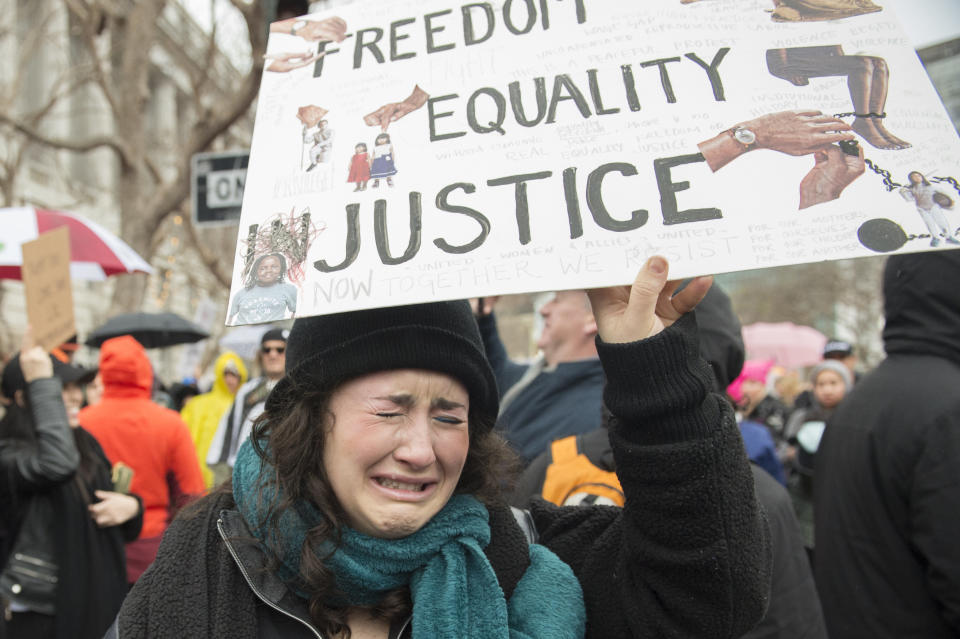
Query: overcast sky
[(927, 21)]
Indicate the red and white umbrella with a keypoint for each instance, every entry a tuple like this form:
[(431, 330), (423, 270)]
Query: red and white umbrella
[(95, 252)]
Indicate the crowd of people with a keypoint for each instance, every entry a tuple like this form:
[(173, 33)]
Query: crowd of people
[(393, 473)]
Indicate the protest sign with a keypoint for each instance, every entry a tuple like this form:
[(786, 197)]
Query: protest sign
[(46, 281), (409, 151)]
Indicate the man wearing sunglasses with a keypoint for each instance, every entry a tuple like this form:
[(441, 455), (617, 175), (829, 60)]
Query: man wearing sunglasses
[(235, 425)]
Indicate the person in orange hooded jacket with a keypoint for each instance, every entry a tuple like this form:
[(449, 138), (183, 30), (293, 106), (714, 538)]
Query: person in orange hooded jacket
[(150, 439)]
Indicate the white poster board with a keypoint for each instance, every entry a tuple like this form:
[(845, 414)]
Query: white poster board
[(545, 144)]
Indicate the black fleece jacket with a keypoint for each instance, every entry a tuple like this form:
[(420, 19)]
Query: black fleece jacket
[(887, 487), (688, 556), (794, 611)]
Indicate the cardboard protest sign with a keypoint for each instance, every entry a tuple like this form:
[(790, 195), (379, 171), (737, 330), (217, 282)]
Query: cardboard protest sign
[(46, 280), (408, 151)]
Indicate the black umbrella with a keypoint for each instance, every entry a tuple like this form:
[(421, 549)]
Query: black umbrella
[(153, 330)]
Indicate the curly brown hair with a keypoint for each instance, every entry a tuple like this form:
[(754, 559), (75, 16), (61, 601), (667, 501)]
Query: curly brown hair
[(289, 440)]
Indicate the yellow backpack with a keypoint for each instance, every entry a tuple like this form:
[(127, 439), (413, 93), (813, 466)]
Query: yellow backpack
[(573, 479)]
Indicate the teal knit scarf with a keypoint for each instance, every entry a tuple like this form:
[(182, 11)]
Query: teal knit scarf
[(454, 589)]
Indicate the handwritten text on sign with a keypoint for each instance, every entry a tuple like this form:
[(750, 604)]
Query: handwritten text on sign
[(46, 279)]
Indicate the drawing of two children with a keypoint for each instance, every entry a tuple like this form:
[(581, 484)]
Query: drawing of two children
[(381, 165)]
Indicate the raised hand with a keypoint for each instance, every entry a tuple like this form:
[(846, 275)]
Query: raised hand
[(34, 361), (630, 313)]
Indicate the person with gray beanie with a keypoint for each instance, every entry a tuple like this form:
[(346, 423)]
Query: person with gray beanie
[(369, 500), (831, 381)]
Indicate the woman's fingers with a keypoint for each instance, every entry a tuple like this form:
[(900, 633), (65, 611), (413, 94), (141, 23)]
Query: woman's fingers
[(647, 289), (27, 342), (626, 314), (608, 302), (112, 509), (665, 305), (34, 361), (821, 127), (687, 299)]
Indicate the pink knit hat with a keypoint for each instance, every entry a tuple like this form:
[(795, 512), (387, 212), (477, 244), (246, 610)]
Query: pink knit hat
[(753, 369)]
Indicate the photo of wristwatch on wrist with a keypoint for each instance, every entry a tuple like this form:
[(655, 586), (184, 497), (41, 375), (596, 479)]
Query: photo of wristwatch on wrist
[(744, 136)]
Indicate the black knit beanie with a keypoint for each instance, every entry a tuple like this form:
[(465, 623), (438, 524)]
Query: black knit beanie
[(327, 350), (274, 335)]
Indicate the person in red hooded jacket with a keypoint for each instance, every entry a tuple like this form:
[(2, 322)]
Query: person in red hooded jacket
[(153, 441)]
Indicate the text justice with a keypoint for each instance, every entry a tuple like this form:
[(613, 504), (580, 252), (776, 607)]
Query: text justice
[(594, 198)]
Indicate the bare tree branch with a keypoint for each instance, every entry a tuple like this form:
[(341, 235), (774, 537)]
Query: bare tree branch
[(11, 166), (209, 127), (30, 48), (210, 260), (89, 18), (153, 169), (67, 144), (200, 71), (211, 54), (62, 91)]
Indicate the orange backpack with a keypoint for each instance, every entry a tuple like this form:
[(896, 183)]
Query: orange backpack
[(573, 479)]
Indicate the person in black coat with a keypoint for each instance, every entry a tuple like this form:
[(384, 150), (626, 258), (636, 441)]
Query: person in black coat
[(887, 486), (60, 521)]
